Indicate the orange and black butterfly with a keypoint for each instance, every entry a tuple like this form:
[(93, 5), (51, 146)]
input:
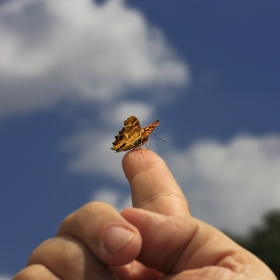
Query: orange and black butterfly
[(132, 135)]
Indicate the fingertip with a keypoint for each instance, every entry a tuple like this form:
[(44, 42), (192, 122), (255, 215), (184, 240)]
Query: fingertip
[(138, 160), (104, 231)]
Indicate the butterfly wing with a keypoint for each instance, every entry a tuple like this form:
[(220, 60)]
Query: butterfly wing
[(125, 140), (147, 130)]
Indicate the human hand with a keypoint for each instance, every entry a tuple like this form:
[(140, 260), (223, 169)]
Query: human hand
[(158, 239)]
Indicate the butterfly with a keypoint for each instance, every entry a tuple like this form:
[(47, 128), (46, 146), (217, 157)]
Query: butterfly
[(132, 135)]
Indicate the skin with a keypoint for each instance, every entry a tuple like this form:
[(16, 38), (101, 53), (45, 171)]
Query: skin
[(157, 239)]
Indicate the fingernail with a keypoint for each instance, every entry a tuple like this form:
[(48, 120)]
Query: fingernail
[(116, 237)]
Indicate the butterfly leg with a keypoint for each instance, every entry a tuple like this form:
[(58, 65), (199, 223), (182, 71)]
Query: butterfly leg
[(148, 146)]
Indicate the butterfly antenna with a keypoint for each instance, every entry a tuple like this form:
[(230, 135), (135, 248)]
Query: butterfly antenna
[(158, 138)]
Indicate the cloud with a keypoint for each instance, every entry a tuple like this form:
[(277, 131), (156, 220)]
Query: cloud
[(116, 113), (111, 196), (230, 185), (91, 154), (67, 50)]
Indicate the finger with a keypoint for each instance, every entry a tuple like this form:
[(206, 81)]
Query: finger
[(175, 244), (105, 232), (35, 272), (65, 257), (153, 187)]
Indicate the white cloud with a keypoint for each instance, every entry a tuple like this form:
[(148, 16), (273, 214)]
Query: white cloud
[(116, 113), (91, 154), (112, 197), (52, 50), (230, 185)]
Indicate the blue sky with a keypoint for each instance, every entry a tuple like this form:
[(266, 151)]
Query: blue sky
[(72, 71)]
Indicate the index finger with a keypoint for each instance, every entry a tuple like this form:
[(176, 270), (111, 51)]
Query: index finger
[(152, 185)]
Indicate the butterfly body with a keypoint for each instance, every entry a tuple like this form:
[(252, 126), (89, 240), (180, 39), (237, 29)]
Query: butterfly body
[(132, 135)]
